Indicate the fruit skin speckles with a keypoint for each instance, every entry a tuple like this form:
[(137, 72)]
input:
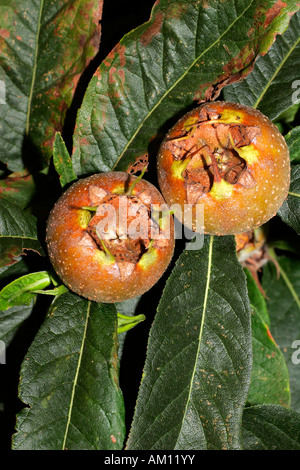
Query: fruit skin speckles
[(229, 158), (78, 256)]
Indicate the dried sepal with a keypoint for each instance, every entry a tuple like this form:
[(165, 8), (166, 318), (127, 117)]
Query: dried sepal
[(229, 158)]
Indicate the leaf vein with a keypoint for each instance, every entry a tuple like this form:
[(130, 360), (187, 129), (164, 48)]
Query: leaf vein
[(76, 376), (177, 81)]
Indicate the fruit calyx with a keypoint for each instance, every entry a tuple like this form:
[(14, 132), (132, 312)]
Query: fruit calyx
[(122, 227), (212, 152)]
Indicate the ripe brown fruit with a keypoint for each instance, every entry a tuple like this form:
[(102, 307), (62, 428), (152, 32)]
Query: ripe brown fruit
[(229, 158), (103, 240)]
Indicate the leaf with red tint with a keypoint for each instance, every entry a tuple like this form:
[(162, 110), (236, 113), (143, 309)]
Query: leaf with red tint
[(270, 87), (62, 161), (18, 188), (158, 70), (45, 47), (18, 232), (277, 20)]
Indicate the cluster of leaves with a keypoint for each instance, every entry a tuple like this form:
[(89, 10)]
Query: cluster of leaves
[(214, 376)]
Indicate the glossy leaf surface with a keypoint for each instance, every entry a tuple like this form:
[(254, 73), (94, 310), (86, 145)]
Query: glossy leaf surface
[(272, 85), (45, 46), (18, 232), (162, 68), (271, 427), (199, 357), (290, 209), (284, 309), (62, 161), (69, 380)]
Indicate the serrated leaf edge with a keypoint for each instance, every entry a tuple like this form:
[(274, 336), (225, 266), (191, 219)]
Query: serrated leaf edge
[(177, 81), (259, 99), (207, 286), (289, 285), (76, 377), (34, 69)]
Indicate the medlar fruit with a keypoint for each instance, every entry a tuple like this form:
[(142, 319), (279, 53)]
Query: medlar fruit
[(229, 158), (105, 241)]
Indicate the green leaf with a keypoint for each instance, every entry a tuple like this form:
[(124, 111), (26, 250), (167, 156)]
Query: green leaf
[(10, 272), (284, 308), (290, 209), (293, 141), (11, 319), (69, 380), (161, 68), (271, 427), (127, 308), (18, 189), (45, 47), (256, 298), (277, 23), (62, 161), (269, 87), (270, 378), (18, 232), (289, 115), (198, 364), (56, 291), (127, 322), (20, 291)]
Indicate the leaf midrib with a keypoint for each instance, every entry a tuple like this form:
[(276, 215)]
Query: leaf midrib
[(25, 237), (289, 285), (76, 376), (273, 426), (175, 84), (34, 69), (29, 287), (275, 73), (207, 287), (295, 142)]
